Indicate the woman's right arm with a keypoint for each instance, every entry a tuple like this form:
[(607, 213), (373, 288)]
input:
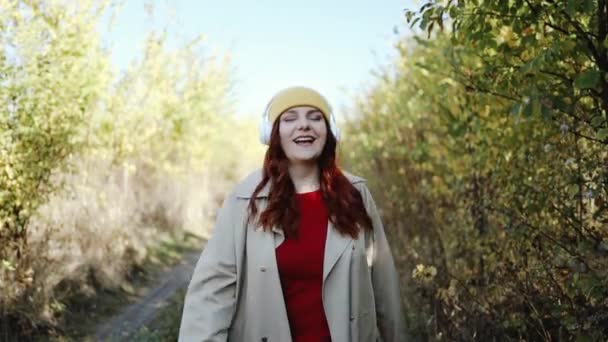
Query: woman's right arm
[(211, 297)]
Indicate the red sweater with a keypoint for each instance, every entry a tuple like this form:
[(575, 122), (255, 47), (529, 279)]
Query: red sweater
[(300, 262)]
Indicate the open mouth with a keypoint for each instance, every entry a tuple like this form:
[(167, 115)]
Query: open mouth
[(306, 140)]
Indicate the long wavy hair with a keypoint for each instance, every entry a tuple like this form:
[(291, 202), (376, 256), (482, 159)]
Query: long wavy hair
[(343, 201)]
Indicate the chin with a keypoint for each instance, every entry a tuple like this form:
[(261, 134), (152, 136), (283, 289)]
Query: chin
[(303, 159)]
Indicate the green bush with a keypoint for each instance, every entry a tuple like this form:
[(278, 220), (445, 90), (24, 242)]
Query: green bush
[(487, 151)]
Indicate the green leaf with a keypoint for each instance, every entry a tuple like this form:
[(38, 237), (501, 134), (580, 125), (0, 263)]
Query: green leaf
[(560, 103), (602, 133), (588, 6), (409, 15), (598, 120), (546, 112), (454, 12), (587, 80), (417, 19), (8, 265), (571, 6), (573, 190), (583, 338)]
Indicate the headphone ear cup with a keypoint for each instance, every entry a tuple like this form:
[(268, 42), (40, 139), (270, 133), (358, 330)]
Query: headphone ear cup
[(265, 125), (267, 131), (334, 127), (337, 133), (262, 127)]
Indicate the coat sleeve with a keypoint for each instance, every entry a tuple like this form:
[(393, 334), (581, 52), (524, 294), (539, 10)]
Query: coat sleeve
[(385, 279), (210, 300)]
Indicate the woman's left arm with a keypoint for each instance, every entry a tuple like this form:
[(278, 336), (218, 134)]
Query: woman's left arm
[(385, 279)]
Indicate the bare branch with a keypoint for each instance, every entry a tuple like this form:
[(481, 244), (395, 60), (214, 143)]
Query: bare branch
[(602, 13)]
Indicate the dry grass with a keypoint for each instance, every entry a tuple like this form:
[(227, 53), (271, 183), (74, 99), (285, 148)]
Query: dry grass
[(90, 237)]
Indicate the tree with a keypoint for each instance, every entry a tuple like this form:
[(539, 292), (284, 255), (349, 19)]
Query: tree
[(47, 97), (486, 149), (548, 61)]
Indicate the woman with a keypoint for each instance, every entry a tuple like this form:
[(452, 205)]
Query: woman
[(298, 251)]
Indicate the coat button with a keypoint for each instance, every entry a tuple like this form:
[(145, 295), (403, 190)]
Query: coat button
[(353, 247), (262, 269), (352, 317)]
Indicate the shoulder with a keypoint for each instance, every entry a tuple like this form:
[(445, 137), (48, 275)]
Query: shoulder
[(354, 179), (360, 184), (246, 186)]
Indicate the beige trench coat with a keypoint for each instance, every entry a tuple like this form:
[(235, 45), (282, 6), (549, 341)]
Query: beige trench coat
[(235, 293)]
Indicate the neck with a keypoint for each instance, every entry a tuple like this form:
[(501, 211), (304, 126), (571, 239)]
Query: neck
[(305, 177)]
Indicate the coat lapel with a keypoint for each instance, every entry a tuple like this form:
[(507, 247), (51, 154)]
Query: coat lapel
[(335, 245)]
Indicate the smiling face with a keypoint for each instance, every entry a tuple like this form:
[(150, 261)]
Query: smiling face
[(303, 132)]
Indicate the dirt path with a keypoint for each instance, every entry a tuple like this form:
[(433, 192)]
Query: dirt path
[(135, 316)]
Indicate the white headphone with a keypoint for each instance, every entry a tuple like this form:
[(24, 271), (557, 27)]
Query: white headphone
[(265, 127)]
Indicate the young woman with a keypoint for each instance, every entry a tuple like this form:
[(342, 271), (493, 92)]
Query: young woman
[(298, 252)]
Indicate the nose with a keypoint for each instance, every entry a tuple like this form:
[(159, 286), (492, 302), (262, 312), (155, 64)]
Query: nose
[(303, 124)]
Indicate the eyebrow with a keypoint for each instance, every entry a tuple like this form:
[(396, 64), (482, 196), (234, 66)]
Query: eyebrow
[(309, 112)]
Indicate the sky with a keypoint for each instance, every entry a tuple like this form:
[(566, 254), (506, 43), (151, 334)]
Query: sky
[(330, 45)]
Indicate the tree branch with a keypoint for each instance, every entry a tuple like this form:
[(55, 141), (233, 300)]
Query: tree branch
[(555, 240), (560, 76), (557, 28), (584, 35), (534, 9), (602, 13)]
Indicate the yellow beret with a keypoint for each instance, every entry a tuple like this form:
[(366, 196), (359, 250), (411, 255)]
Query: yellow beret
[(296, 96)]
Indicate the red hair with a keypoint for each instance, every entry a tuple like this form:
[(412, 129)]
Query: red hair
[(343, 201)]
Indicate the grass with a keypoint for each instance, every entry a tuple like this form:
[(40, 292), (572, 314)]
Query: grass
[(84, 314), (165, 327)]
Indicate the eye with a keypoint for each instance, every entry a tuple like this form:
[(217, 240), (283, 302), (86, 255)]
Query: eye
[(317, 117)]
